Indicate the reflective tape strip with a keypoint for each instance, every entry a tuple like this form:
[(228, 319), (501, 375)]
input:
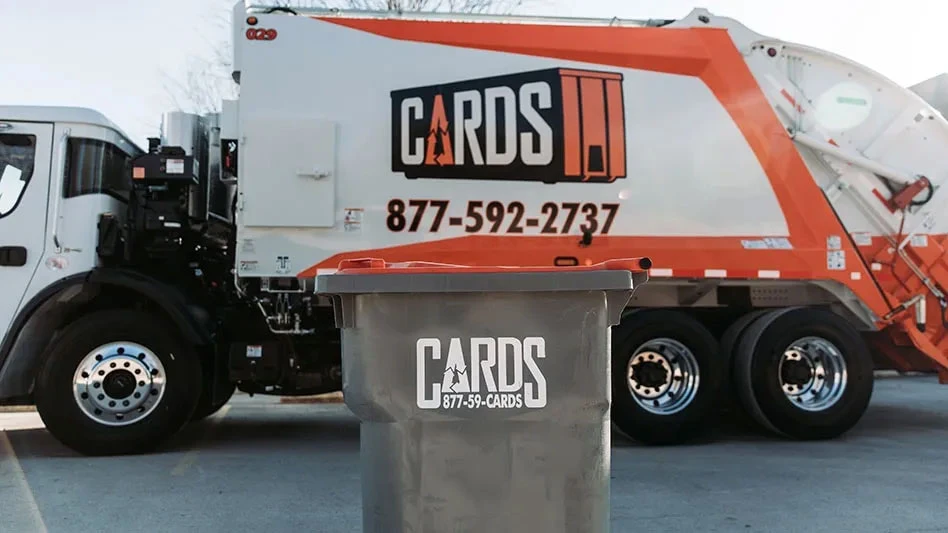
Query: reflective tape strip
[(724, 273)]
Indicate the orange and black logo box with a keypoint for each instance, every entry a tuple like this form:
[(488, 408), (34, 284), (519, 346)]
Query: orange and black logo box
[(554, 125)]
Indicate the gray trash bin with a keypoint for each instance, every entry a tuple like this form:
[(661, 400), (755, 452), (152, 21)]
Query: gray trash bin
[(483, 394)]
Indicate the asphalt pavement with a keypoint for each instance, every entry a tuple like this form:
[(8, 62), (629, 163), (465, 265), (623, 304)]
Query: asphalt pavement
[(260, 465)]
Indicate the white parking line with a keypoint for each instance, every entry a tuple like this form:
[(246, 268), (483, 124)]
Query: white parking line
[(10, 469)]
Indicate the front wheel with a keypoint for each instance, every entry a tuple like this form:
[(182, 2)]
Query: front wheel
[(117, 382), (665, 376)]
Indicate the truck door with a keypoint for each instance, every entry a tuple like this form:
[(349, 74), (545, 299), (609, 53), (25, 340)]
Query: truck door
[(25, 152)]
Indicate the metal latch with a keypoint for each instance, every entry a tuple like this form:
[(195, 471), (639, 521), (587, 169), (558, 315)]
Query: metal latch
[(316, 173)]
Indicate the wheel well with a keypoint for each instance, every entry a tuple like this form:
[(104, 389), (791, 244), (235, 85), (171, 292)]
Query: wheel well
[(717, 303), (718, 319), (49, 312)]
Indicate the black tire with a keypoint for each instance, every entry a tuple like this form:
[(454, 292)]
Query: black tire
[(756, 370), (216, 386), (633, 419), (728, 345), (58, 406), (732, 335)]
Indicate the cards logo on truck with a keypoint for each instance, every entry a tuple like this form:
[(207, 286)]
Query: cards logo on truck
[(480, 373), (552, 125)]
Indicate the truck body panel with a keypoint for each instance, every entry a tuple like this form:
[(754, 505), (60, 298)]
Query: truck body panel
[(723, 141)]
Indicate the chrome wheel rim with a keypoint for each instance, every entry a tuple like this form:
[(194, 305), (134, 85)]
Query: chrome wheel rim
[(663, 376), (119, 383), (812, 373)]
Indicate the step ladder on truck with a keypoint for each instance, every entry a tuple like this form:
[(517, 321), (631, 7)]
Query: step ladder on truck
[(789, 201)]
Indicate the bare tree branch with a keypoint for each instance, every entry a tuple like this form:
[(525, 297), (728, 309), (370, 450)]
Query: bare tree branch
[(207, 80)]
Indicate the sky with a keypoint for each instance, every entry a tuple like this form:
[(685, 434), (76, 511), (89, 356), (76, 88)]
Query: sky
[(128, 58)]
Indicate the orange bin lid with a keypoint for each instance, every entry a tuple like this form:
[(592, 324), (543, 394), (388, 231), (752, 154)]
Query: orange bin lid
[(380, 266)]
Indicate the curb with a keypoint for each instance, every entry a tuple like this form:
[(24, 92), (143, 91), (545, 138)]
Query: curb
[(329, 398), (17, 408), (883, 374), (332, 397)]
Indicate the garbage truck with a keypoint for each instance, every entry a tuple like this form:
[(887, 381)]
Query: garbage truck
[(786, 199)]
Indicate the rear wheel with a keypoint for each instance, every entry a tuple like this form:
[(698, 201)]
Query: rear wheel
[(804, 373), (117, 382), (732, 335), (665, 376), (728, 345)]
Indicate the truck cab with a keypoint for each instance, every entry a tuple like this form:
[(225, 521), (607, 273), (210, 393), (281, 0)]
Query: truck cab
[(96, 341), (119, 310), (60, 168)]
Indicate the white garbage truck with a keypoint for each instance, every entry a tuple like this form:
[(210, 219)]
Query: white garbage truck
[(786, 200)]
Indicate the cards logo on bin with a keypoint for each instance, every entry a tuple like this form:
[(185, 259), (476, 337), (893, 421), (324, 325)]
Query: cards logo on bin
[(480, 373)]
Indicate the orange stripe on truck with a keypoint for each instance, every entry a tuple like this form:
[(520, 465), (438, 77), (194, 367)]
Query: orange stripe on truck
[(684, 256)]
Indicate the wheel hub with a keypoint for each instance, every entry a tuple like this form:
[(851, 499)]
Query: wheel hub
[(650, 373), (812, 373), (119, 383), (663, 376), (797, 372)]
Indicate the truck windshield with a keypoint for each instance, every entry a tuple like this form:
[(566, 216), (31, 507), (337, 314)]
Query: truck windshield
[(95, 167)]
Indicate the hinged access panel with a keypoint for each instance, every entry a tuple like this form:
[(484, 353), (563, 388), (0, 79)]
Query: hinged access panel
[(288, 172)]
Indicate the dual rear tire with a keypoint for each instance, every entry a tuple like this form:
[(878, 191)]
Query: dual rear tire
[(665, 376), (803, 373), (800, 373)]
